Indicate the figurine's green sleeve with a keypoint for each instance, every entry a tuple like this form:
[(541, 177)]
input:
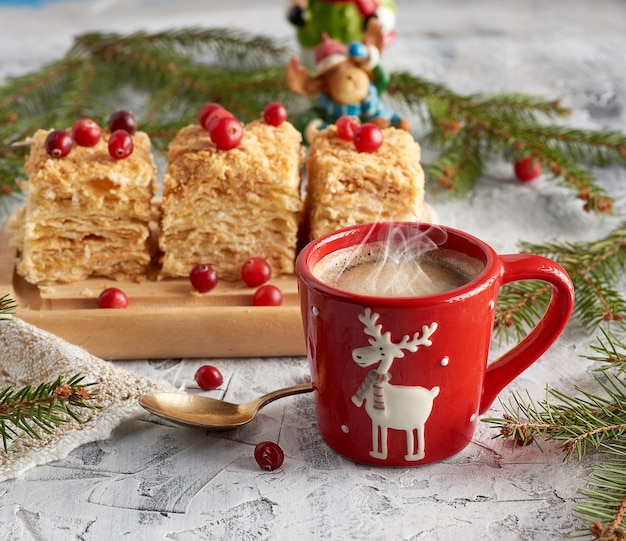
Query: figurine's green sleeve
[(341, 20)]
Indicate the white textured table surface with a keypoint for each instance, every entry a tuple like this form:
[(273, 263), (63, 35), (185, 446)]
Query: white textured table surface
[(152, 480)]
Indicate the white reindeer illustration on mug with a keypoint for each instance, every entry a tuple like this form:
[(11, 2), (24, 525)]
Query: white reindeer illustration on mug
[(392, 406)]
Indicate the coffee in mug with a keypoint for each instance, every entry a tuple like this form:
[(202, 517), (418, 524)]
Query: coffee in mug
[(397, 268), (400, 379)]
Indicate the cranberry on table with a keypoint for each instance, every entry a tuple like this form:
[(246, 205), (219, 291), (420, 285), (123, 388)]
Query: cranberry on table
[(208, 377), (267, 295), (255, 271), (347, 126), (226, 133), (58, 143), (527, 168), (86, 132), (269, 455), (122, 120), (120, 144), (112, 297), (203, 277), (368, 137), (275, 113), (206, 110)]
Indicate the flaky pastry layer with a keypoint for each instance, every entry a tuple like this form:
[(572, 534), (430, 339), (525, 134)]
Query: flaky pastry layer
[(221, 207), (86, 213), (346, 187)]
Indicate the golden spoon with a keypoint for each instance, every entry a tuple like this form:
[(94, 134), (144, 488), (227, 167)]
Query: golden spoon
[(211, 413)]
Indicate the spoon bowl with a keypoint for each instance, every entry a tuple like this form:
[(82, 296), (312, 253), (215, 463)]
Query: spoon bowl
[(211, 413)]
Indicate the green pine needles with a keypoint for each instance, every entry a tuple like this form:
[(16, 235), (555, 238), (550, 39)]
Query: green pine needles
[(471, 130), (587, 420), (164, 77), (51, 404), (596, 268), (43, 408), (582, 420), (604, 505), (7, 306)]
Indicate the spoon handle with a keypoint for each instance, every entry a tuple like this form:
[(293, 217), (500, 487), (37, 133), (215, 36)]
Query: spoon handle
[(265, 399)]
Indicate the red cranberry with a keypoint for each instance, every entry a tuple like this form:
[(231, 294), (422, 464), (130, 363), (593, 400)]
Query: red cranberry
[(269, 455), (527, 169), (226, 133), (122, 120), (275, 113), (112, 297), (347, 126), (256, 271), (208, 377), (215, 115), (368, 137), (206, 110), (120, 144), (58, 143), (267, 295), (86, 132), (203, 277)]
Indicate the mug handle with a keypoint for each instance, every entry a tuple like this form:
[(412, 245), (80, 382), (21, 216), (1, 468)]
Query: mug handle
[(512, 363)]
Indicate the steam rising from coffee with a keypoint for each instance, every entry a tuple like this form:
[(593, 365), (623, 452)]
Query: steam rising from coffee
[(407, 263)]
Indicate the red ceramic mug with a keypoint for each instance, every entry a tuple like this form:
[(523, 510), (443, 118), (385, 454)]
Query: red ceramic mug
[(401, 380)]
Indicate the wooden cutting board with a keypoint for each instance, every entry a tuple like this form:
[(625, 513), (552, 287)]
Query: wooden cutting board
[(165, 319)]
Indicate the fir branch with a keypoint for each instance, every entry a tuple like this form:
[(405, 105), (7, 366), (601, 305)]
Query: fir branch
[(610, 351), (600, 148), (7, 306), (232, 48), (45, 407), (169, 74), (604, 506), (460, 165), (510, 124), (520, 306), (562, 160), (576, 421), (587, 419), (596, 269)]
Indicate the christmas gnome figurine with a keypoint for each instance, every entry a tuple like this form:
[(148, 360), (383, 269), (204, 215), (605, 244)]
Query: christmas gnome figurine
[(344, 83), (343, 20)]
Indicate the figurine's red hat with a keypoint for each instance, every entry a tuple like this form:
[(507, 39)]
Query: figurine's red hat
[(329, 53)]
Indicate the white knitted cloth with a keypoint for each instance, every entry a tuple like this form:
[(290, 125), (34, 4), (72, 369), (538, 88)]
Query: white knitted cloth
[(29, 355)]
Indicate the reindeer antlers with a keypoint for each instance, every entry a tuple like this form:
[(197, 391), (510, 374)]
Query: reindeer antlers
[(427, 331), (369, 319)]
